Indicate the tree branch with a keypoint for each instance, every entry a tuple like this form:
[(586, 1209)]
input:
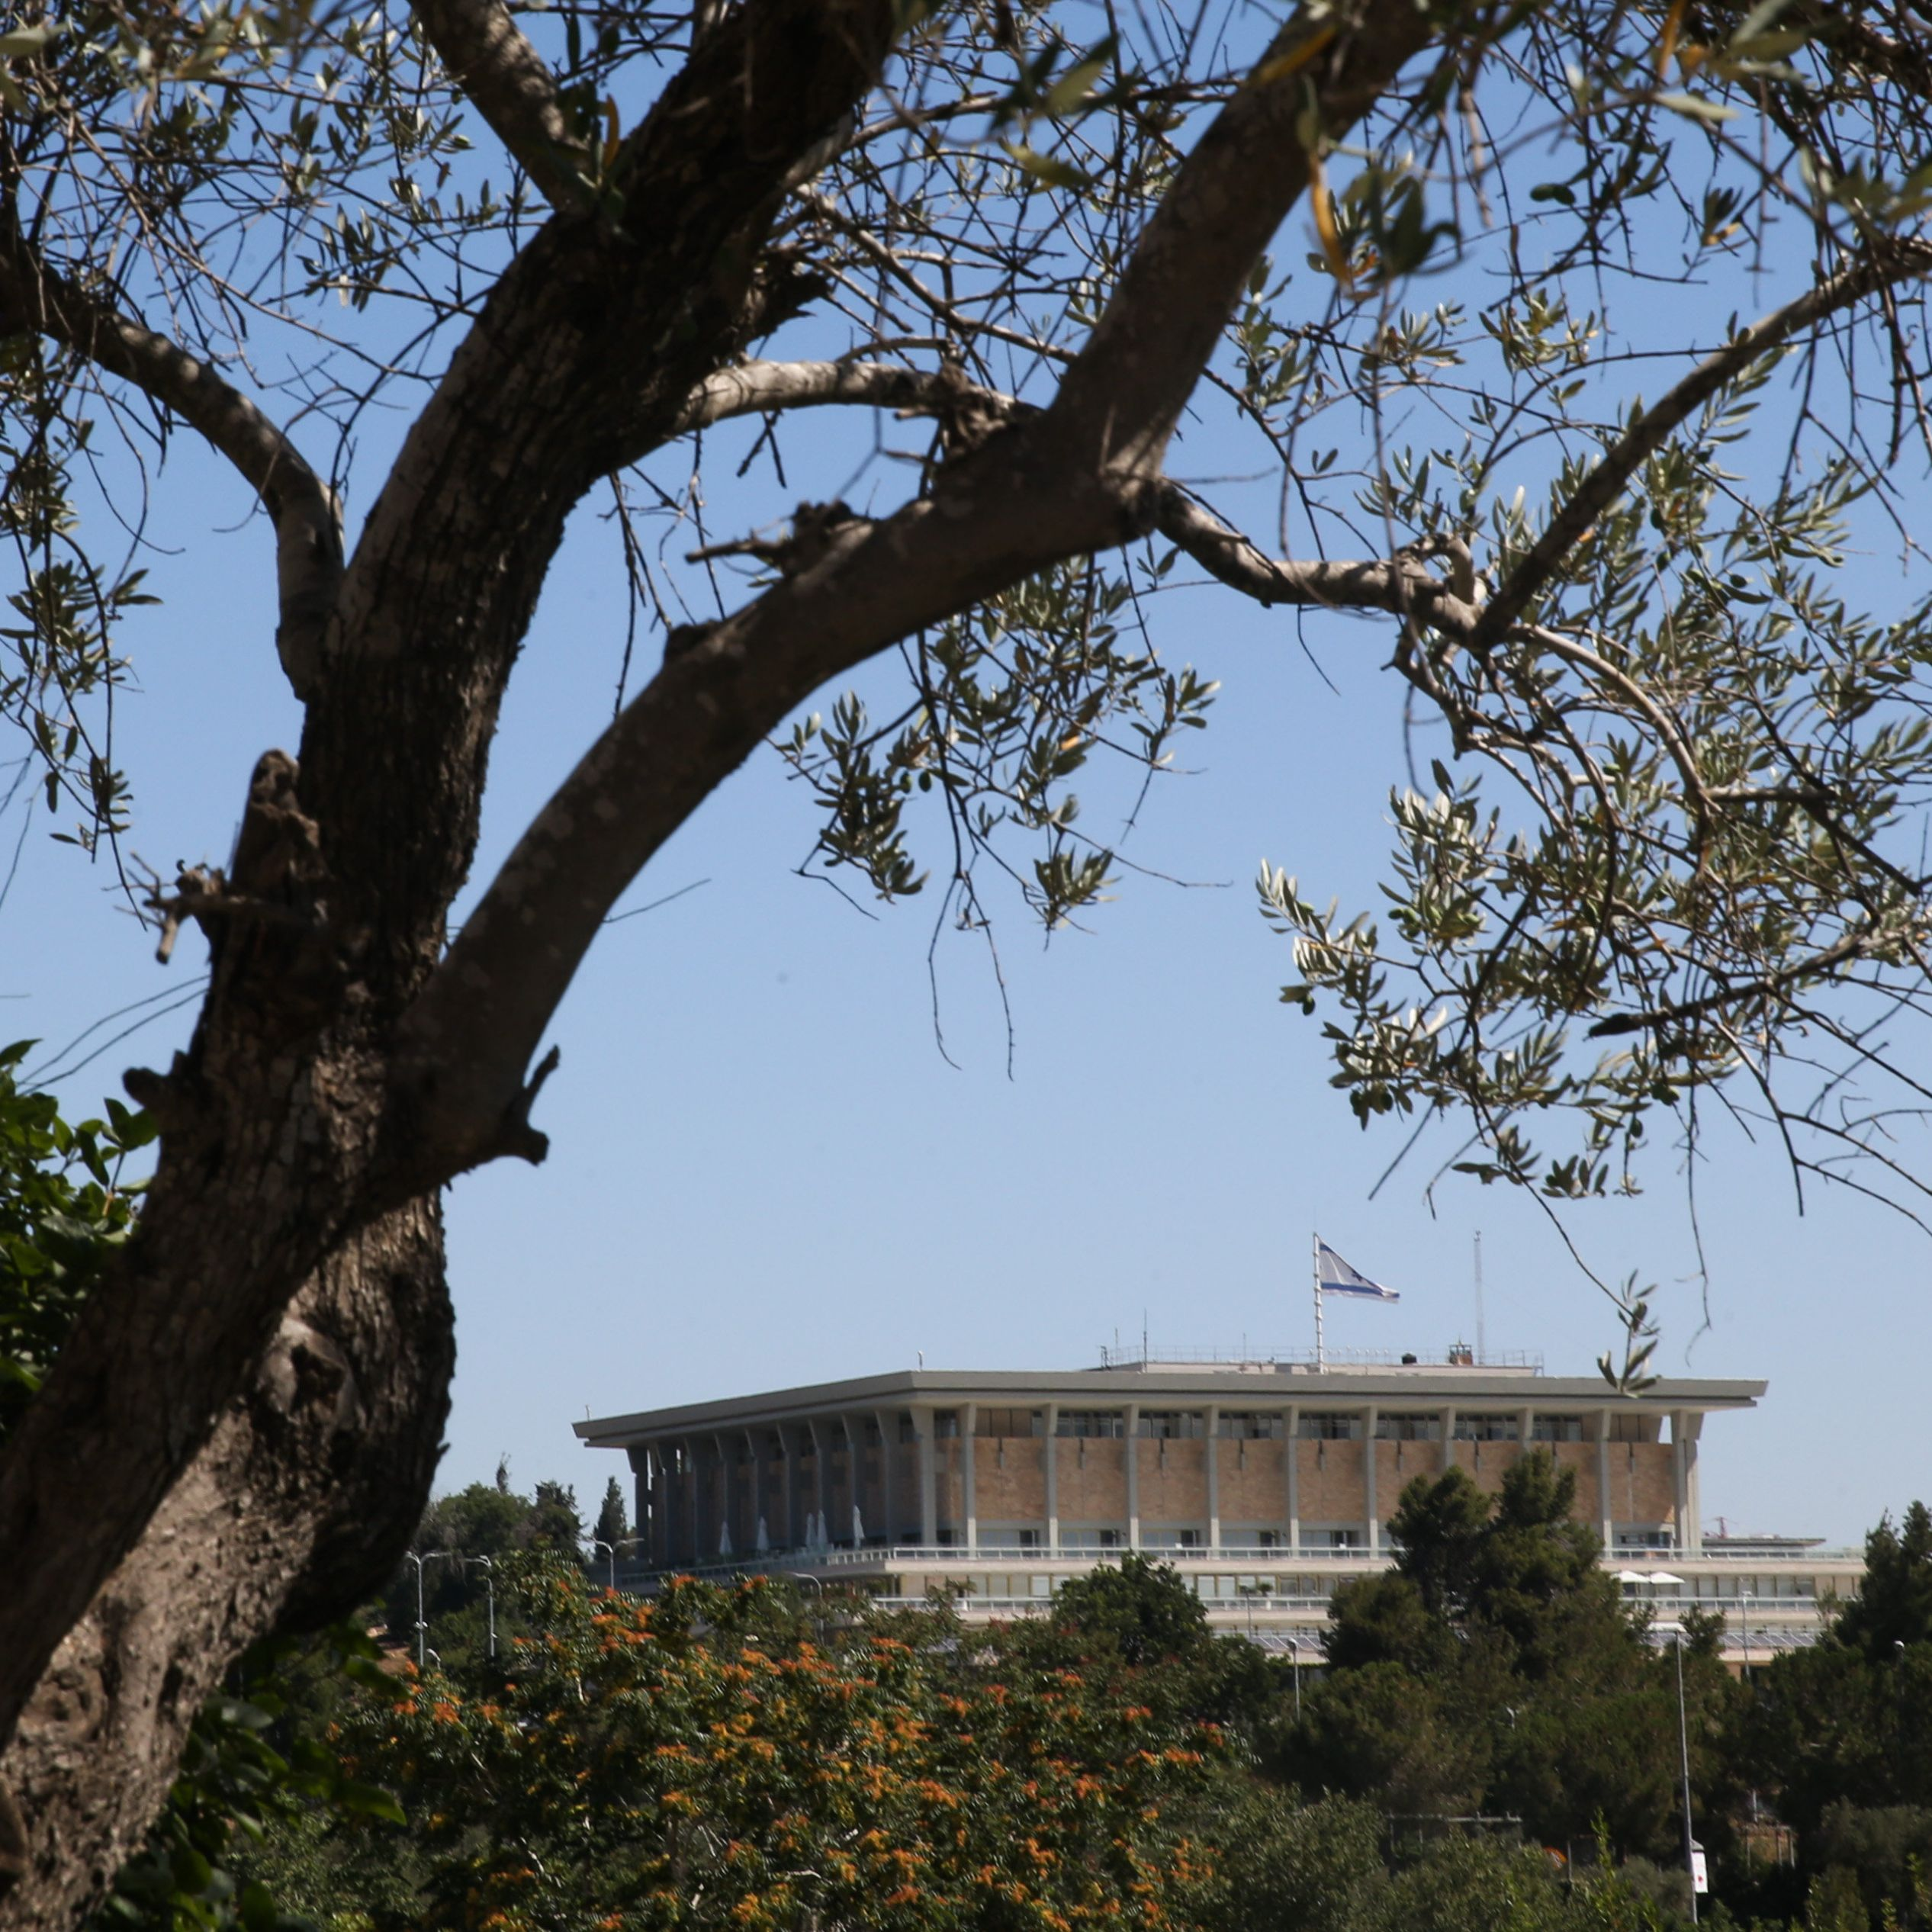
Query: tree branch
[(1818, 966), (1403, 586), (36, 297), (1081, 477), (1898, 260), (506, 81), (757, 388), (1123, 395)]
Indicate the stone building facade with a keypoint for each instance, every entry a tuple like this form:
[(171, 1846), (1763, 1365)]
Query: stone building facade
[(1266, 1482)]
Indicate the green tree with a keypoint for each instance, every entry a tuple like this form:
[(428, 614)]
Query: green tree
[(1847, 1721), (1141, 1608), (613, 1523), (1672, 849), (1495, 1668), (1893, 1608)]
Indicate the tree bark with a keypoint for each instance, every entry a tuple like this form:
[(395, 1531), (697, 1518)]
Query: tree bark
[(298, 1504)]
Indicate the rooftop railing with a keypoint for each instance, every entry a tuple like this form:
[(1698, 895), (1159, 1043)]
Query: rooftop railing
[(1150, 1355)]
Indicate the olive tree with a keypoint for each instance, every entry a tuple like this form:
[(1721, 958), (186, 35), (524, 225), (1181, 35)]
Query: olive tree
[(1670, 859)]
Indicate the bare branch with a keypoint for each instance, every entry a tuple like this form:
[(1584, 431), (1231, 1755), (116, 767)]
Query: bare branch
[(755, 388), (1403, 586), (1897, 261), (35, 297), (508, 83)]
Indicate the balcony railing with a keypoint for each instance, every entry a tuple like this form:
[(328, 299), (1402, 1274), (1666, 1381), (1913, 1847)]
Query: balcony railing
[(875, 1556)]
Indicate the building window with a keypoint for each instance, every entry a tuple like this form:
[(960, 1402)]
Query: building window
[(909, 1428), (1090, 1422), (1252, 1426), (1408, 1428), (1556, 1429), (1641, 1536), (1332, 1536), (1161, 1539), (1009, 1422), (1489, 1429), (1173, 1425), (946, 1422), (1636, 1428), (1329, 1429), (1109, 1539)]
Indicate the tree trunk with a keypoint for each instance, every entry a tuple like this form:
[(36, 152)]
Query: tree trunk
[(299, 1502)]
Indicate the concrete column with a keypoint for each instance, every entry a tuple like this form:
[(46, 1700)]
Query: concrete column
[(968, 1421), (1680, 1478), (1133, 1476), (822, 1470), (757, 1488), (1368, 1480), (1686, 1426), (1607, 1519), (788, 1534), (855, 1477), (1449, 1437), (1052, 1453), (1291, 1421), (1526, 1423), (1213, 1459), (730, 1515), (922, 1425), (638, 1457), (888, 1420), (677, 1504), (704, 1502)]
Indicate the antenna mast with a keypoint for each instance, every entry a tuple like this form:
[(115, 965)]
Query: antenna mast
[(1479, 1296)]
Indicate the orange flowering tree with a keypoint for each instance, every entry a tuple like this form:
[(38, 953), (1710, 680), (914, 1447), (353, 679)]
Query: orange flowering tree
[(706, 1759)]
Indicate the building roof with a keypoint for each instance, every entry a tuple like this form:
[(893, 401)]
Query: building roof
[(1234, 1385)]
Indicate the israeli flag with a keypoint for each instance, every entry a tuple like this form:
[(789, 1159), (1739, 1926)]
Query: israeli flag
[(1335, 1276)]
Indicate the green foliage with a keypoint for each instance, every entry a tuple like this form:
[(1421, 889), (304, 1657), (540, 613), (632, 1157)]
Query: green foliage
[(64, 1208), (1847, 1722), (238, 1780), (701, 1760), (1143, 1609), (1495, 1668), (1893, 1608), (613, 1522)]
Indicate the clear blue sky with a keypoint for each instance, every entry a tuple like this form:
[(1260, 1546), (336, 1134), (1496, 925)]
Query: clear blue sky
[(764, 1171)]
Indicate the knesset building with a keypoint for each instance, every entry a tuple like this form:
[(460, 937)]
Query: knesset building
[(1266, 1483)]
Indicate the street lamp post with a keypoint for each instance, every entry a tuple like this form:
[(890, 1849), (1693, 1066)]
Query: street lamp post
[(1683, 1754), (490, 1586), (610, 1551), (1294, 1669), (421, 1625), (1745, 1598)]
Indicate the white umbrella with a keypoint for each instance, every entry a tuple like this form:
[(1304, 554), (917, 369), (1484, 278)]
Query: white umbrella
[(724, 1540), (858, 1529), (1664, 1577), (764, 1541)]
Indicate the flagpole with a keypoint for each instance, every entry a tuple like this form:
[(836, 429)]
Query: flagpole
[(1315, 1257)]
